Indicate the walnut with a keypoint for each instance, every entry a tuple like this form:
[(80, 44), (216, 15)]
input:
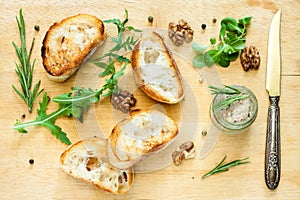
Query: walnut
[(184, 151), (123, 101), (250, 58), (180, 33), (177, 157)]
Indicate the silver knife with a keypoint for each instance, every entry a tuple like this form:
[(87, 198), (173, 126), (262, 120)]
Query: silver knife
[(272, 154)]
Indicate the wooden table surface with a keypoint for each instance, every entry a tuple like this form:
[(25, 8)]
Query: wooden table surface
[(45, 179)]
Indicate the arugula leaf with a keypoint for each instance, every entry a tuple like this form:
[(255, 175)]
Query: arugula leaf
[(232, 40), (121, 25), (120, 44), (47, 120)]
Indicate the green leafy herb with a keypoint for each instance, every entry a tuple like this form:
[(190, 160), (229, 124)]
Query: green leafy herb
[(48, 120), (233, 94), (221, 167), (231, 42), (113, 56), (78, 100), (24, 69), (121, 25)]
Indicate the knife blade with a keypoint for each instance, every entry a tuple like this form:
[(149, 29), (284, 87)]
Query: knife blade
[(273, 78)]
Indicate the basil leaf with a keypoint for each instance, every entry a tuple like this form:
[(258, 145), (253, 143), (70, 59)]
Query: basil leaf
[(233, 56), (222, 32), (211, 57), (238, 45), (213, 41), (245, 20), (199, 61), (224, 63), (199, 48)]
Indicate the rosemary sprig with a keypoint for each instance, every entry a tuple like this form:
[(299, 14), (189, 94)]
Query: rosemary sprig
[(24, 69), (221, 167), (225, 90), (233, 93)]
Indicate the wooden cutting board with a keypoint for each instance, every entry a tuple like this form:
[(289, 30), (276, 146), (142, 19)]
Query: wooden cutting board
[(45, 180)]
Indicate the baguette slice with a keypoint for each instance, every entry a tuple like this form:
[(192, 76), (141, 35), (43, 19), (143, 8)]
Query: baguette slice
[(69, 43), (156, 71), (144, 132), (88, 161)]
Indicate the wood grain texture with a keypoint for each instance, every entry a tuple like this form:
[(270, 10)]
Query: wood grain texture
[(45, 180)]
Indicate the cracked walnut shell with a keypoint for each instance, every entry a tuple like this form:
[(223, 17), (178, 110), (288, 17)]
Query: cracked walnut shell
[(250, 58)]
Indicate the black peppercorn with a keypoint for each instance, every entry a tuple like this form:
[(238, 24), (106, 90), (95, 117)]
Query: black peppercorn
[(203, 26), (150, 19), (36, 27), (214, 20), (23, 116), (31, 161)]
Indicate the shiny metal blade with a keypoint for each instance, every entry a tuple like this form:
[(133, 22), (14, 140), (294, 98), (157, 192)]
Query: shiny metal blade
[(274, 58)]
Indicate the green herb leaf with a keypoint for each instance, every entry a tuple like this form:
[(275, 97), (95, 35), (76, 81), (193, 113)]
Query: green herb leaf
[(24, 69), (232, 38), (212, 56), (224, 62), (120, 44), (237, 45), (121, 25), (245, 20), (199, 61), (230, 24), (47, 120), (233, 94), (199, 48), (229, 90), (222, 32), (221, 167), (232, 56), (213, 41)]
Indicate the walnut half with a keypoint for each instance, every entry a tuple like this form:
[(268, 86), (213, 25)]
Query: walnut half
[(184, 151), (123, 100), (250, 58), (180, 33)]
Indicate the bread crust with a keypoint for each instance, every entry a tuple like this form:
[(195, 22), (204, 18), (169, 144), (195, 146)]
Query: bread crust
[(136, 66), (127, 149), (69, 43), (96, 148)]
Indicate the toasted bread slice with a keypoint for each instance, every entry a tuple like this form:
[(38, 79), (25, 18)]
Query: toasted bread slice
[(69, 43), (134, 138), (88, 161), (156, 71)]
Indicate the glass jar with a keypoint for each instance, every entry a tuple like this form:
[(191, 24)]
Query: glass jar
[(238, 115)]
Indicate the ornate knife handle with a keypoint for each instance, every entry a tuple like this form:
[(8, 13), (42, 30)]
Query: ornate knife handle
[(272, 154)]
